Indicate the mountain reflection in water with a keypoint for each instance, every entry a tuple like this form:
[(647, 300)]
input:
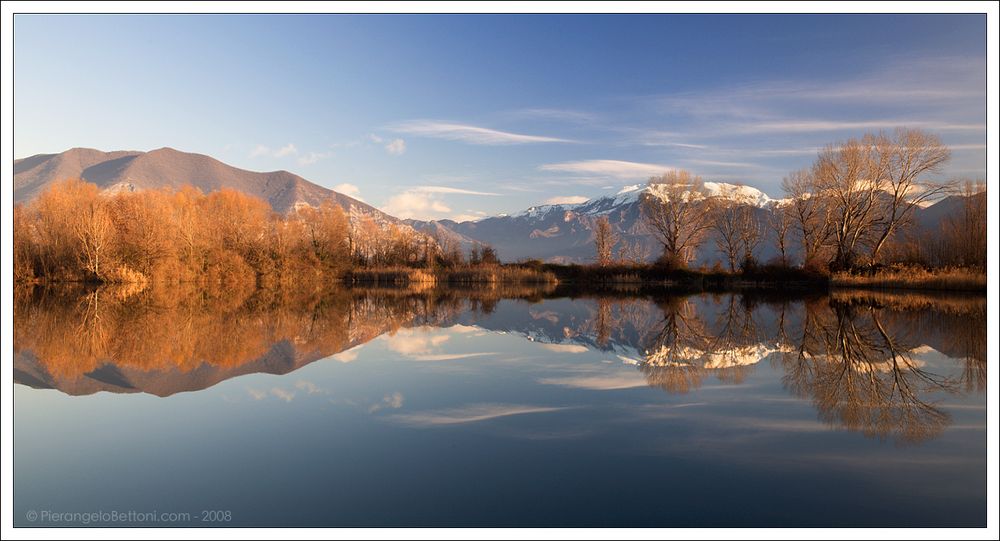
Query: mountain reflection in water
[(858, 357)]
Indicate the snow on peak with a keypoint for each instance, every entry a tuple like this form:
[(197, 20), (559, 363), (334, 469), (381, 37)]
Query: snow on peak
[(737, 192), (606, 204)]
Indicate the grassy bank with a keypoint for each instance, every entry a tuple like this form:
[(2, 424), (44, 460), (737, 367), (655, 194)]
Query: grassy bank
[(471, 275), (636, 277), (951, 279)]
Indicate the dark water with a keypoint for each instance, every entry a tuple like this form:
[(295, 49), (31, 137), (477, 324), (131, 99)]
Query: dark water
[(435, 408)]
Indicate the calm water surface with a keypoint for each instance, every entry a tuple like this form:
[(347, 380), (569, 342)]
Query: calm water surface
[(392, 408)]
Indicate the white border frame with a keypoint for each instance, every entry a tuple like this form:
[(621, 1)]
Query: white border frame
[(9, 9)]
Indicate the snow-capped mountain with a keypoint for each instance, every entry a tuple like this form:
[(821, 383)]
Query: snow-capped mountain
[(564, 232)]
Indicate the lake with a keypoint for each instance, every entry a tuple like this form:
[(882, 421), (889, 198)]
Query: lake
[(509, 407)]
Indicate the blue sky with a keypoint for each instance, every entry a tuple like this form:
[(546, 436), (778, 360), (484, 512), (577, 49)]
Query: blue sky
[(460, 116)]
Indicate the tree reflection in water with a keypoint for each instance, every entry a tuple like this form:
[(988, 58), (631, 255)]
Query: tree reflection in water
[(854, 355)]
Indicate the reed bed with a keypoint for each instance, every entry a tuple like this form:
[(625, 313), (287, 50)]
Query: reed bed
[(498, 274), (392, 276), (948, 279)]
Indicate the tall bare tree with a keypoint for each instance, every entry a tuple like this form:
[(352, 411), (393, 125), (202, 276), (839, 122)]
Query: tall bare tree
[(676, 209), (750, 230), (604, 241), (810, 214), (95, 232), (910, 154), (850, 178), (781, 220), (727, 237)]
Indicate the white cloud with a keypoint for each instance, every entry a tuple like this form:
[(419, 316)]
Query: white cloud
[(282, 394), (450, 356), (449, 190), (260, 150), (566, 115), (811, 125), (396, 147), (623, 380), (375, 138), (609, 168), (413, 342), (286, 150), (415, 205), (566, 200), (468, 217), (392, 401), (263, 150), (470, 134), (565, 348), (313, 157), (348, 355), (469, 414), (309, 387), (424, 203), (723, 164), (349, 190)]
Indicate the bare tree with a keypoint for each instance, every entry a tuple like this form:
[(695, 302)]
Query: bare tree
[(963, 239), (910, 155), (676, 210), (750, 231), (94, 231), (727, 236), (850, 178), (604, 241), (634, 252), (811, 216), (781, 219), (738, 231)]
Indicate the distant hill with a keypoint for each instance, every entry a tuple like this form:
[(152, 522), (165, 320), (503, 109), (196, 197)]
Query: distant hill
[(565, 233), (166, 167)]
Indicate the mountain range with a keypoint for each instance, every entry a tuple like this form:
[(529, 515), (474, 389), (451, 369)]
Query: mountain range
[(557, 233), (165, 167)]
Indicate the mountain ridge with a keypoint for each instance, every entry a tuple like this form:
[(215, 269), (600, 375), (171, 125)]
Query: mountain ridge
[(130, 170)]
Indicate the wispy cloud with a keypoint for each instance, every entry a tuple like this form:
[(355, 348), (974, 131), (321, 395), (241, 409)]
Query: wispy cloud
[(286, 150), (424, 202), (450, 356), (567, 200), (396, 147), (348, 355), (564, 115), (717, 163), (610, 382), (349, 190), (309, 387), (609, 168), (313, 157), (389, 401), (470, 134), (469, 414), (415, 205), (415, 341), (282, 152), (286, 395), (449, 190), (805, 126), (565, 348)]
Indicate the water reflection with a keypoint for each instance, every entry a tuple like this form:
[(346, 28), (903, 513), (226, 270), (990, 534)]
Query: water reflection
[(860, 358)]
